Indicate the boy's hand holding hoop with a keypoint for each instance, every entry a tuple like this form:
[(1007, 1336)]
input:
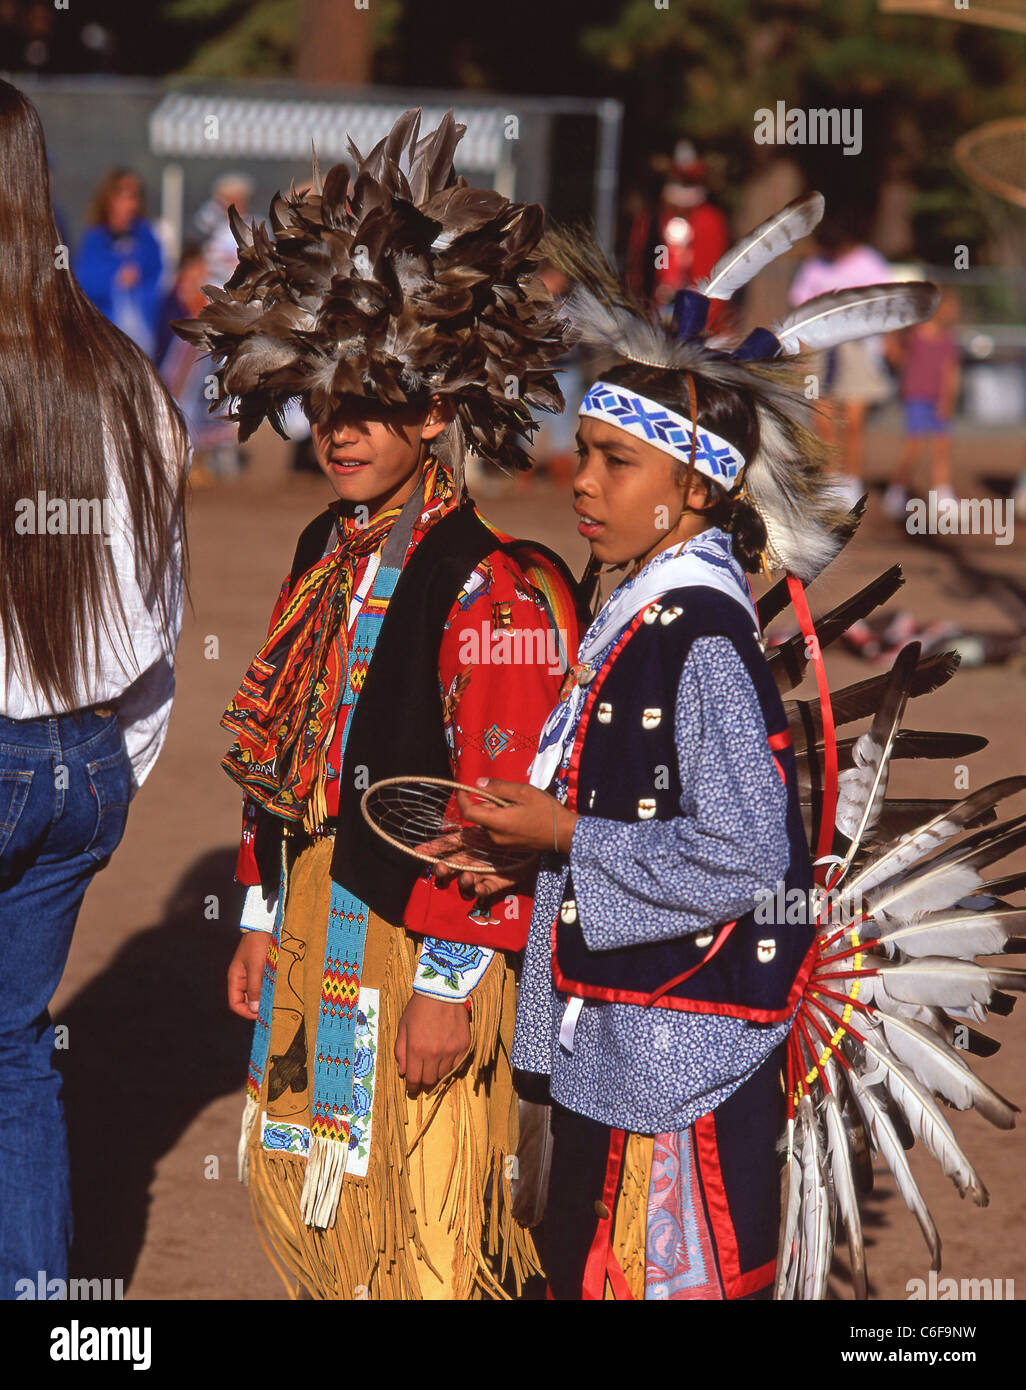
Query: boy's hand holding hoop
[(488, 833), (528, 819)]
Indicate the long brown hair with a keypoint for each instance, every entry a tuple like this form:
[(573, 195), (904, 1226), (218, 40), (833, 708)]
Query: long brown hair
[(64, 371), (98, 213)]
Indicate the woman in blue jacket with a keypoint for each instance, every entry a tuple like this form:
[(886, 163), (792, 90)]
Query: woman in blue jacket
[(119, 262)]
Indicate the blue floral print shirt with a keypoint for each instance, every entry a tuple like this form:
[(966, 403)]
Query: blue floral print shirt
[(656, 1070)]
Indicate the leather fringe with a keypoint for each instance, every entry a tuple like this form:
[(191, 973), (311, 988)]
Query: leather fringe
[(322, 1181), (378, 1243), (250, 1111)]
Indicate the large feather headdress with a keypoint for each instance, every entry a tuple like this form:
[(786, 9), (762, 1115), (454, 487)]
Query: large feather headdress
[(402, 284), (806, 520)]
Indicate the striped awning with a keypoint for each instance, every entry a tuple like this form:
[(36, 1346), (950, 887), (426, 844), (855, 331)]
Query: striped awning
[(228, 128)]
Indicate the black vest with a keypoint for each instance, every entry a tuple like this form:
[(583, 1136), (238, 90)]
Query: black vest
[(397, 727), (627, 771)]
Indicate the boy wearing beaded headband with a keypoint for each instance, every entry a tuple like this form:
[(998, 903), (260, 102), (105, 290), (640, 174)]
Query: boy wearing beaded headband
[(664, 797), (672, 709), (404, 313)]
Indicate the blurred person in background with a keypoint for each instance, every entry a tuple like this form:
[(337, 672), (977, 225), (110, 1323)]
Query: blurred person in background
[(677, 245), (555, 444), (853, 376), (90, 606), (211, 224), (218, 254), (119, 262), (187, 373), (927, 357)]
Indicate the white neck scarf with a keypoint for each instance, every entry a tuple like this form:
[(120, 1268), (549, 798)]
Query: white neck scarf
[(706, 559)]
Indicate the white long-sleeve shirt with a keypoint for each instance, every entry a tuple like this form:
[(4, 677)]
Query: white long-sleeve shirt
[(135, 670)]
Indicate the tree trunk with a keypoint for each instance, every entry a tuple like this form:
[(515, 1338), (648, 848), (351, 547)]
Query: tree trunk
[(770, 189), (335, 42)]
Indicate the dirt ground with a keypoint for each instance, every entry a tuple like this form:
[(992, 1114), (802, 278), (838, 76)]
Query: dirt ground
[(155, 1062)]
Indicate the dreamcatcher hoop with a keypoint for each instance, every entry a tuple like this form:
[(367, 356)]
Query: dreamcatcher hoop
[(990, 14), (992, 157), (419, 816)]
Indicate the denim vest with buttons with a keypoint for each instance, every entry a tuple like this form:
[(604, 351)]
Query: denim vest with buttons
[(624, 767)]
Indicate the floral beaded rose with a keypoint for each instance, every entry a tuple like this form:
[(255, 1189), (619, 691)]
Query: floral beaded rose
[(450, 959)]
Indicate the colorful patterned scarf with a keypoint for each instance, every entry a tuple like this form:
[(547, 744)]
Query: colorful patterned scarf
[(283, 714)]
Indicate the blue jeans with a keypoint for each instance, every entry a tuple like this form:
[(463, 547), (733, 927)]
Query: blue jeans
[(65, 783)]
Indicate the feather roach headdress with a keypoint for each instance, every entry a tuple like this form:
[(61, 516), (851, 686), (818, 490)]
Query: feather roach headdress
[(805, 517), (400, 285)]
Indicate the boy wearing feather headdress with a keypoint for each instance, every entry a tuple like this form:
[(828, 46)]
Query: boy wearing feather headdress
[(667, 772), (403, 311), (655, 998)]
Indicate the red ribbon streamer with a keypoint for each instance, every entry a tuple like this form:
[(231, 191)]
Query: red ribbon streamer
[(829, 807)]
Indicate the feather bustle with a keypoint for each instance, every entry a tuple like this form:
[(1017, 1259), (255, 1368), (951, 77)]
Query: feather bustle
[(843, 1179), (887, 1144)]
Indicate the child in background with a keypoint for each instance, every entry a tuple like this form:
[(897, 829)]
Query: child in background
[(852, 376), (186, 373), (928, 355)]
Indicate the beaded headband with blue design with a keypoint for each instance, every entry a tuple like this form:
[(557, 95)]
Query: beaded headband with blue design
[(801, 506), (654, 424)]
